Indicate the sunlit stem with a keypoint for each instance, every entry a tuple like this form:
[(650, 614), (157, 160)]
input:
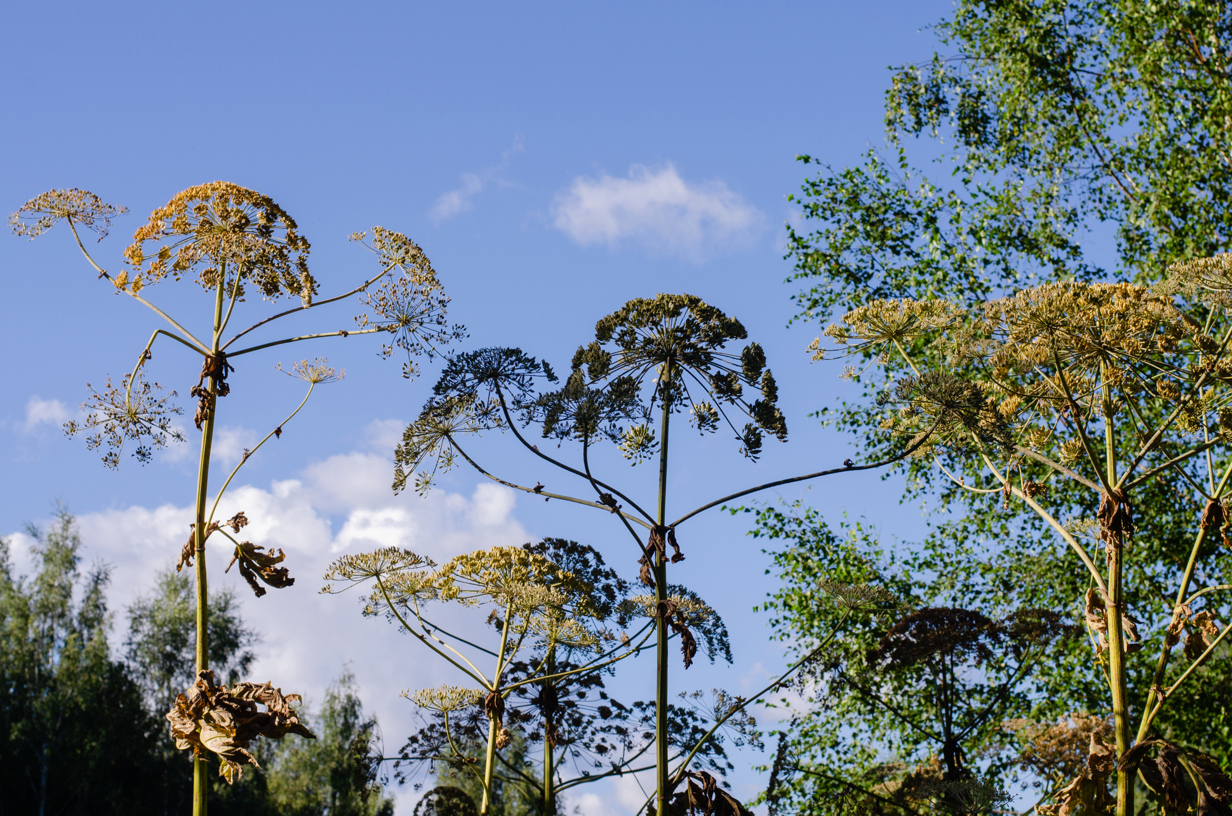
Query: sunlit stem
[(200, 764), (248, 454), (549, 750), (490, 760), (1114, 609), (1052, 522), (302, 337), (663, 772), (1161, 667), (235, 293), (1080, 425), (343, 296)]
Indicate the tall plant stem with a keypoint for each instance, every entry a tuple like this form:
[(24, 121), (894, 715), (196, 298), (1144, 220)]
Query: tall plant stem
[(663, 772), (490, 759), (1115, 604), (201, 784), (549, 750)]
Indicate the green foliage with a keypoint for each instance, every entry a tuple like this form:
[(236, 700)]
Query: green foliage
[(160, 642), (334, 774), (73, 731), (1046, 119)]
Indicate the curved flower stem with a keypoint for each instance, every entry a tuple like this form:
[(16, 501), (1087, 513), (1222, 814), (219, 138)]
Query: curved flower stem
[(302, 337), (1105, 480), (1202, 658), (102, 273), (272, 318), (543, 493), (513, 426), (145, 355), (1057, 466), (587, 668), (248, 454), (1202, 592), (912, 448), (472, 672), (490, 760), (595, 484), (1052, 522), (235, 293)]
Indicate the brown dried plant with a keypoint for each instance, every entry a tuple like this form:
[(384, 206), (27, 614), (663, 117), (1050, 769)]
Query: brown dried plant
[(227, 238)]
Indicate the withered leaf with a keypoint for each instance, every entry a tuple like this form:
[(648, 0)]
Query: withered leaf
[(1088, 793), (702, 795), (256, 564), (1202, 631), (224, 721)]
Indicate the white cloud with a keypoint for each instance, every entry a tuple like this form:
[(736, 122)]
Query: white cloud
[(230, 442), (45, 412), (659, 210), (461, 198)]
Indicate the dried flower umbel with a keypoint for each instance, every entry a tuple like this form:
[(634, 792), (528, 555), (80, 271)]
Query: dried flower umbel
[(229, 239)]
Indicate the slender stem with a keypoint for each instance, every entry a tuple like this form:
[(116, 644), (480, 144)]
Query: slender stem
[(543, 493), (1180, 457), (912, 448), (513, 426), (271, 318), (1115, 609), (746, 703), (235, 293), (1080, 425), (1057, 466), (662, 702), (1052, 522), (1181, 406), (248, 454), (549, 772), (301, 337), (471, 672), (201, 347), (145, 355)]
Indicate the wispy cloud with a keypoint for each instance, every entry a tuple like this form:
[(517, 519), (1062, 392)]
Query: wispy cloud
[(461, 198), (658, 210), (45, 412)]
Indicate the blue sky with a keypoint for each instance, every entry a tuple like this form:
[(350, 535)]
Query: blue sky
[(553, 160)]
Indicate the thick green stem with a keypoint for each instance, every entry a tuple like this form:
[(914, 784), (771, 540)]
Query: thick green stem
[(663, 772), (1115, 607), (490, 758), (200, 532), (549, 749)]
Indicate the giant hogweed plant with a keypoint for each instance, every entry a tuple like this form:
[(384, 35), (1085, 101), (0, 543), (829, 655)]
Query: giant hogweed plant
[(539, 611), (652, 363), (1110, 387), (566, 730), (236, 244)]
